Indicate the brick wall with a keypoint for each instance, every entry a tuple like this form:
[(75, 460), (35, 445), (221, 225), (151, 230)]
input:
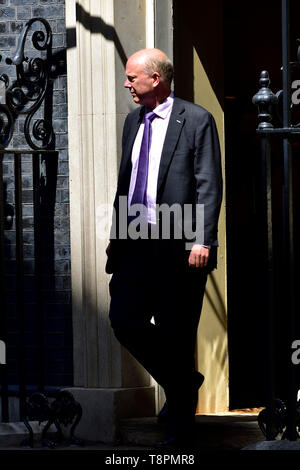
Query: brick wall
[(55, 258)]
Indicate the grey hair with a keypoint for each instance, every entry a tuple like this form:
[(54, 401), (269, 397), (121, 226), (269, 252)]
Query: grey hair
[(163, 66)]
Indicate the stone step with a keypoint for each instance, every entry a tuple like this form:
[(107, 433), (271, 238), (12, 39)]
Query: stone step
[(13, 434), (223, 432)]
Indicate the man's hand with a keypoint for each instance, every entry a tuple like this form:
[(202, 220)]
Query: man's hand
[(199, 256)]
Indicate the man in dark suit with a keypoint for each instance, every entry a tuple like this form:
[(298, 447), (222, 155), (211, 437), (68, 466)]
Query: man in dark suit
[(170, 159)]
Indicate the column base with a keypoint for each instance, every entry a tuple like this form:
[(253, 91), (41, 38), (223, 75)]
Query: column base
[(102, 409)]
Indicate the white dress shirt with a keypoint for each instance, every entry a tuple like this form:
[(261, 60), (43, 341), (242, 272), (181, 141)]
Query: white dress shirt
[(159, 129)]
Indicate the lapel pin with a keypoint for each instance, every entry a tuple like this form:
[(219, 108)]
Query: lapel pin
[(178, 121)]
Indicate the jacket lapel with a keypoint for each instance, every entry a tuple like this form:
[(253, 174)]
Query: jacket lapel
[(125, 166), (173, 132)]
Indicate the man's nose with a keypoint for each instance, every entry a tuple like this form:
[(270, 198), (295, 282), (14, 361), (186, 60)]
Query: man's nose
[(127, 83)]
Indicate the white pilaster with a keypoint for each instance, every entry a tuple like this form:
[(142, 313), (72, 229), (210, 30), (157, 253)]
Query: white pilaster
[(100, 364), (150, 30)]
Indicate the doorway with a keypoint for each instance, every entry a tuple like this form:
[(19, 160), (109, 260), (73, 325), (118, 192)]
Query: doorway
[(252, 43), (236, 41)]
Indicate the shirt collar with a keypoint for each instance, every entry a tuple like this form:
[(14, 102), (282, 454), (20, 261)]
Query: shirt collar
[(164, 108)]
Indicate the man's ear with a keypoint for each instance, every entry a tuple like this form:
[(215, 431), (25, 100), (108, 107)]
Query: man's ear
[(156, 79)]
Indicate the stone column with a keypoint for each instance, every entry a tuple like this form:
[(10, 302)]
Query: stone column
[(108, 382)]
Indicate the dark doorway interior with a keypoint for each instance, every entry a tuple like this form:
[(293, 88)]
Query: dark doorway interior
[(252, 43), (236, 40)]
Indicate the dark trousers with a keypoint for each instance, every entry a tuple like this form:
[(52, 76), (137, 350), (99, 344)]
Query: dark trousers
[(152, 279)]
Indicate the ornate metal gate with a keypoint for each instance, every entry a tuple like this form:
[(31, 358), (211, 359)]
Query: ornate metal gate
[(27, 103)]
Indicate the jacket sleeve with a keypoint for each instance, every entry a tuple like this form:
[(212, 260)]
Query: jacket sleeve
[(208, 175)]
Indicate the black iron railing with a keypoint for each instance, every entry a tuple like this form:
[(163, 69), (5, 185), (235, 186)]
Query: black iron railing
[(37, 159), (279, 416), (29, 94)]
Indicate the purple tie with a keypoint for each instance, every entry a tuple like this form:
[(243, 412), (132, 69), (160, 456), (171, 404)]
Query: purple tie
[(140, 189)]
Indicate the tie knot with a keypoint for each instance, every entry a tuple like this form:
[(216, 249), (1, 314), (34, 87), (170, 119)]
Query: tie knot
[(150, 116)]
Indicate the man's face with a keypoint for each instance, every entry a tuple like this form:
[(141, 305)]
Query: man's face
[(140, 84)]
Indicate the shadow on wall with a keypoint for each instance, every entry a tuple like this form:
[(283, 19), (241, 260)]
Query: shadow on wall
[(95, 25), (216, 302), (193, 30)]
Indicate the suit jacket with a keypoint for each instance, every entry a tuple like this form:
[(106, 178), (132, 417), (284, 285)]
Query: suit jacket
[(190, 166)]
